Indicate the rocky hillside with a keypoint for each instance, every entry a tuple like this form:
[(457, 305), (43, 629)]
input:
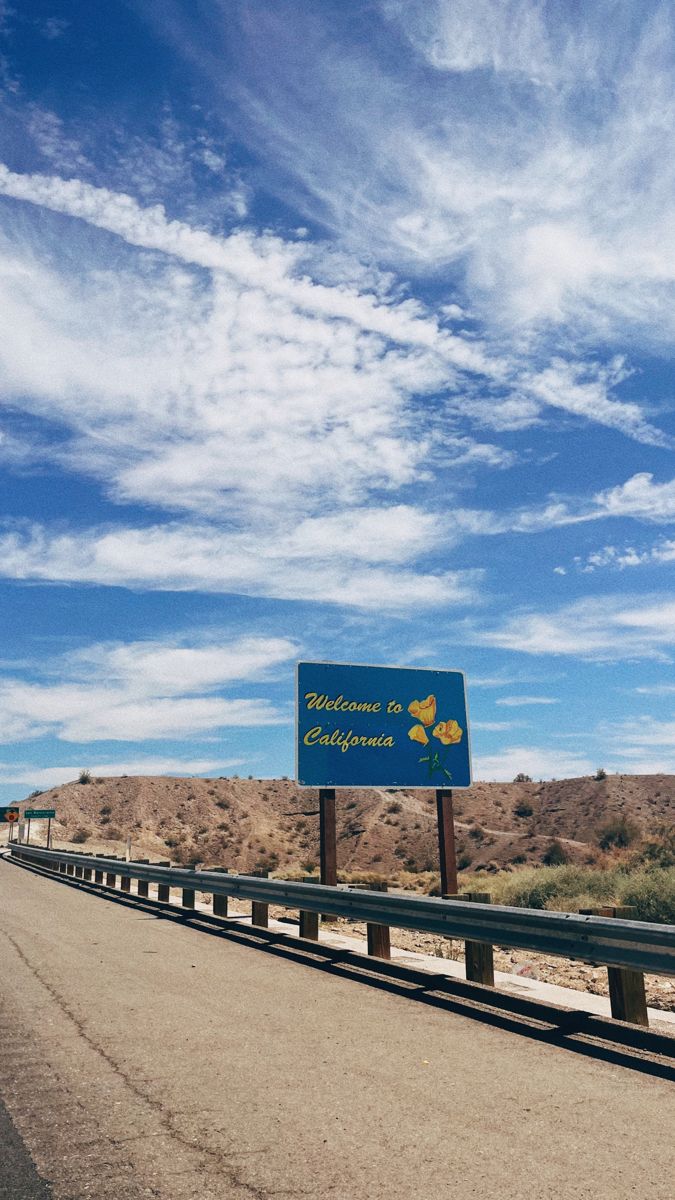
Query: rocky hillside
[(249, 824)]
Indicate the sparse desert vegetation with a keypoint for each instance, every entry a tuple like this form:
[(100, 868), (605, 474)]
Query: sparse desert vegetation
[(561, 844)]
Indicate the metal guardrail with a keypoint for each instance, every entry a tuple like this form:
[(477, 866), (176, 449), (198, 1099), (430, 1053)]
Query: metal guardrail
[(636, 945)]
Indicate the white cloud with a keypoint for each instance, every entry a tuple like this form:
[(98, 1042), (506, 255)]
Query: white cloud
[(661, 552), (640, 497), (546, 179), (38, 776), (140, 690), (584, 391), (536, 761), (325, 560), (642, 745), (601, 628), (519, 701), (466, 35)]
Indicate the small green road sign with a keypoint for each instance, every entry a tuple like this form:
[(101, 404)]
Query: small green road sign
[(39, 814), (9, 815)]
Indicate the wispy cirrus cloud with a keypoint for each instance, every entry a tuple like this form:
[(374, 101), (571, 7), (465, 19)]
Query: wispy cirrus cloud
[(36, 775), (546, 184), (366, 560), (144, 690), (539, 762), (609, 628)]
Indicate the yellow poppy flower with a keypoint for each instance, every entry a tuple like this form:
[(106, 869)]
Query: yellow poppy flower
[(424, 710), (448, 732), (417, 734)]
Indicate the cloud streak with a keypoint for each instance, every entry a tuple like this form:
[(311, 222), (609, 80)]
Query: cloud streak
[(145, 690)]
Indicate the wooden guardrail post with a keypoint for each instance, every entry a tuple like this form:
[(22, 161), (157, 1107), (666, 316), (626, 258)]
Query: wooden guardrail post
[(142, 885), (111, 879), (164, 889), (220, 903), (98, 876), (309, 921), (479, 964), (63, 868), (627, 998), (260, 910), (86, 873), (188, 896), (379, 938)]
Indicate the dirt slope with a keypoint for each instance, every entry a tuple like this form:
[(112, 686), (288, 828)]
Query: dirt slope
[(247, 824)]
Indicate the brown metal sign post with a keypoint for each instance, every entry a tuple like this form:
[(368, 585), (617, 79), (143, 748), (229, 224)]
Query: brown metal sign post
[(327, 836), (446, 841)]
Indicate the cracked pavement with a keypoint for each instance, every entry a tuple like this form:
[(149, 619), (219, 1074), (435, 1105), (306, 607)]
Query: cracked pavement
[(143, 1058)]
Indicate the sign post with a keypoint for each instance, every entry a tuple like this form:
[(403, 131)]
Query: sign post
[(446, 842), (41, 814), (394, 727), (9, 816)]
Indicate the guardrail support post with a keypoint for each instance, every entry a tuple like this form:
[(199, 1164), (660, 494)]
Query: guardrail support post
[(164, 889), (260, 910), (220, 902), (125, 883), (188, 897), (309, 922), (98, 876), (478, 956), (379, 939), (627, 998), (309, 925), (63, 869), (142, 886), (86, 873)]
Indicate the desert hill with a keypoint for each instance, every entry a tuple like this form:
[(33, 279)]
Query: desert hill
[(249, 824)]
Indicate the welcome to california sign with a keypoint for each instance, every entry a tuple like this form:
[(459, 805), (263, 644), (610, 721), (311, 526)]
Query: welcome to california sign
[(363, 726)]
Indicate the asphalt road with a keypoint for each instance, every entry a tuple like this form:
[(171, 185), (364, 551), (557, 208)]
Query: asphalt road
[(143, 1058), (19, 1179)]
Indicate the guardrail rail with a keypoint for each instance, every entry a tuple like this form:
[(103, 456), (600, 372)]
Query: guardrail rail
[(625, 946)]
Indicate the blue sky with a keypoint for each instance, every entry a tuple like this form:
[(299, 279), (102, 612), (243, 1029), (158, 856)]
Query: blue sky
[(334, 330)]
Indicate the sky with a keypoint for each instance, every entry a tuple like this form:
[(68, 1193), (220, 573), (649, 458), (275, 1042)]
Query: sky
[(334, 330)]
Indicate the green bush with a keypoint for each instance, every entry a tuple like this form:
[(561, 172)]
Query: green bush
[(555, 854), (658, 850), (521, 778), (651, 891), (524, 809), (555, 887), (84, 777), (619, 832), (652, 894)]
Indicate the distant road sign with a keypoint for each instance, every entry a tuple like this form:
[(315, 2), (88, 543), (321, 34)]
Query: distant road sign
[(9, 814), (40, 814)]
